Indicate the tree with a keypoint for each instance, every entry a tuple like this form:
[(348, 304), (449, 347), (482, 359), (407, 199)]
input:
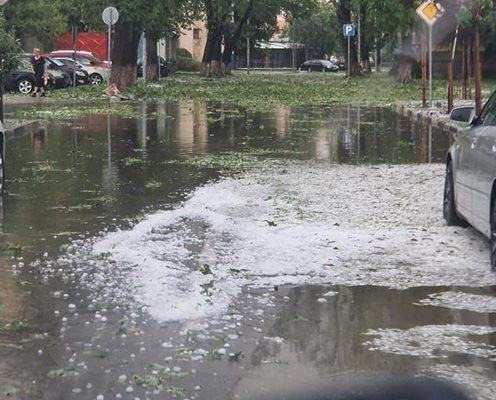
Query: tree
[(226, 22), (317, 31)]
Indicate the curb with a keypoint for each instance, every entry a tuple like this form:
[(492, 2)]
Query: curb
[(437, 118)]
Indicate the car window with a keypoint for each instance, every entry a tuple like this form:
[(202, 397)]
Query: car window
[(64, 61), (83, 60), (488, 114)]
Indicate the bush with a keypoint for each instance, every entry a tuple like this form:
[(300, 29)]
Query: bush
[(187, 64)]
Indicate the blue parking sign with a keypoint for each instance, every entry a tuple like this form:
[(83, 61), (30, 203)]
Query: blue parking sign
[(348, 29)]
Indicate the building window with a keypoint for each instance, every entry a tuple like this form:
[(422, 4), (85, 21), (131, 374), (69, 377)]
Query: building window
[(196, 33)]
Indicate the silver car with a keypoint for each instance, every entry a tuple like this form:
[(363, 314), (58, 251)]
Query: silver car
[(96, 74), (470, 183)]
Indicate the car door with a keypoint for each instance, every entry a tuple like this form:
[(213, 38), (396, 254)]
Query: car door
[(485, 163), (464, 173)]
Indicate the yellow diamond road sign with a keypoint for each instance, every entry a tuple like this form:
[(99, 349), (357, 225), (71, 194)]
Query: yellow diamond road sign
[(430, 11)]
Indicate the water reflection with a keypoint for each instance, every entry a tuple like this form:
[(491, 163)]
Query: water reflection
[(80, 177), (323, 341)]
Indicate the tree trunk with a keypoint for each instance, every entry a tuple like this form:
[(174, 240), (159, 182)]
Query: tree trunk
[(477, 73), (151, 60), (364, 50), (215, 64), (450, 82), (469, 71), (378, 59), (227, 58), (464, 71), (207, 55), (124, 56), (405, 61), (211, 61), (230, 42)]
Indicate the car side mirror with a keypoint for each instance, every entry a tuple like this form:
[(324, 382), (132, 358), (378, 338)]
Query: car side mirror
[(463, 114)]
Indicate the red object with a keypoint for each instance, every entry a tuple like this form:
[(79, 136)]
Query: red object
[(89, 41)]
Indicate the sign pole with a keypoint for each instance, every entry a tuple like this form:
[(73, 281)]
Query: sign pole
[(108, 44), (349, 57), (110, 16), (349, 30), (430, 66), (430, 11)]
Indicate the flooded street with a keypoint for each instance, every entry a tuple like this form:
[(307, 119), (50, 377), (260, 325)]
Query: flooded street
[(197, 251)]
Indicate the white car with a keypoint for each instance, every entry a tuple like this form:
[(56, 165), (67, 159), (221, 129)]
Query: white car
[(470, 184), (97, 74)]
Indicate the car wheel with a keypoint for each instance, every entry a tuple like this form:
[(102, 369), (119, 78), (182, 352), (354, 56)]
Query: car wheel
[(449, 207), (25, 85), (96, 79)]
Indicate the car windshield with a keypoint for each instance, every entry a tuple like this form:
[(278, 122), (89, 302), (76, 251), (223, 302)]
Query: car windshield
[(24, 65)]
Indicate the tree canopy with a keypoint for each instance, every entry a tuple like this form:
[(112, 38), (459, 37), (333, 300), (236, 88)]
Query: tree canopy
[(319, 31)]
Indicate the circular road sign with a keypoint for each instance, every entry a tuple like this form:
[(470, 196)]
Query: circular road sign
[(110, 15)]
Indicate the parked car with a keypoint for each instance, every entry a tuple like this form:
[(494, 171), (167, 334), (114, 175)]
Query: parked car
[(164, 68), (63, 75), (87, 59), (97, 75), (319, 65), (470, 181), (21, 79)]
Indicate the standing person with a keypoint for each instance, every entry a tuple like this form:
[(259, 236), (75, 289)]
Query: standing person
[(40, 71)]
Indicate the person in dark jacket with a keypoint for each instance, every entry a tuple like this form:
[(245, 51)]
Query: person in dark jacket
[(40, 71)]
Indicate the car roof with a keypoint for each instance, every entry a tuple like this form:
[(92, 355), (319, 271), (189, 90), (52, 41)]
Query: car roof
[(80, 53)]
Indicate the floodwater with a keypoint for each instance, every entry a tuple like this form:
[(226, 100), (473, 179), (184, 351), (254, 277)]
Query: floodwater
[(196, 251)]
